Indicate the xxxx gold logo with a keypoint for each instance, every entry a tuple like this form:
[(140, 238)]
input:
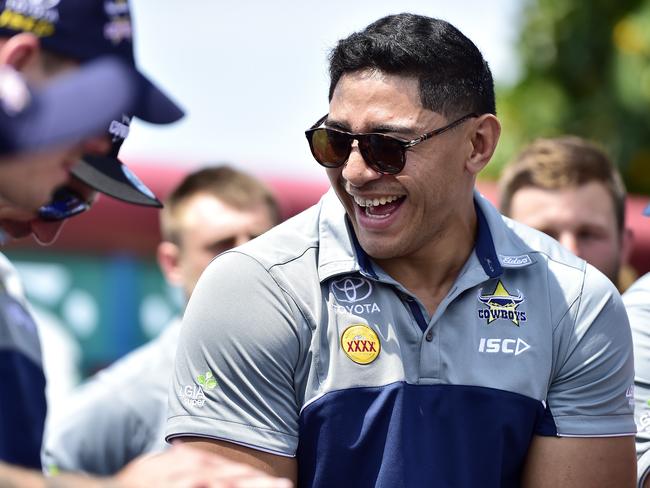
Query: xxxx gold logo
[(360, 343)]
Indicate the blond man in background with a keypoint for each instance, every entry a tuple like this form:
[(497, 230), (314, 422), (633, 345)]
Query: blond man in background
[(121, 412), (569, 188)]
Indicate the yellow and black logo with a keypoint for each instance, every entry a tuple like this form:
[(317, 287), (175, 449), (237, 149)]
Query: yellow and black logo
[(501, 305), (360, 343)]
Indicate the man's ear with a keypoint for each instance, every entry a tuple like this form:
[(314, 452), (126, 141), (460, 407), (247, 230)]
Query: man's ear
[(484, 140), (168, 256), (19, 50)]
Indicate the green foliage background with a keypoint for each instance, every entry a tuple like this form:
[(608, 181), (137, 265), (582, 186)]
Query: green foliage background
[(585, 70)]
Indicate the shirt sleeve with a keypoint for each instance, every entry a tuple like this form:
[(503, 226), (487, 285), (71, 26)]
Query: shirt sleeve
[(236, 358), (590, 393)]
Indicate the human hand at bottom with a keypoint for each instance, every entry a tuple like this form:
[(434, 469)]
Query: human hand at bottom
[(186, 467)]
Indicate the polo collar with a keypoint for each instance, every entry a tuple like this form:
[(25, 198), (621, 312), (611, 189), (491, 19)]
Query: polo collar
[(341, 253)]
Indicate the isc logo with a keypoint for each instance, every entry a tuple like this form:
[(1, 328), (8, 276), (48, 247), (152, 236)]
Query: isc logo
[(506, 346)]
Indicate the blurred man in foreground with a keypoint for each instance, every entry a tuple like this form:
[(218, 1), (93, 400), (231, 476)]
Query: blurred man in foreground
[(36, 121), (42, 40), (42, 134), (568, 188), (121, 412)]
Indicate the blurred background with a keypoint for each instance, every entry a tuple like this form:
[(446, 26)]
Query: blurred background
[(252, 76)]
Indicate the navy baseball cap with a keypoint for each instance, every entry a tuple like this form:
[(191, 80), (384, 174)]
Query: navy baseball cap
[(646, 212), (83, 30), (67, 110)]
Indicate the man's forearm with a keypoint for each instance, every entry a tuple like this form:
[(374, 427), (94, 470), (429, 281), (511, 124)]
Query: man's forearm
[(14, 477)]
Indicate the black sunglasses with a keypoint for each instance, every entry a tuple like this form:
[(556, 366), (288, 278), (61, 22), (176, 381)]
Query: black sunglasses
[(383, 153), (65, 204)]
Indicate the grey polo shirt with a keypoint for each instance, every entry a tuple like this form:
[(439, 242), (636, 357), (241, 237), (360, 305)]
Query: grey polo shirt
[(637, 304), (298, 344), (117, 415)]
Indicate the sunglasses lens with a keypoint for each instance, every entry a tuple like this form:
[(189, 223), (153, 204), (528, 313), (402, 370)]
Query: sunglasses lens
[(330, 148), (65, 204), (382, 153)]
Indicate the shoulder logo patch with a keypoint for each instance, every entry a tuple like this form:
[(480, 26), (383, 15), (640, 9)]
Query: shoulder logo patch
[(206, 380), (360, 343), (194, 395), (515, 261), (501, 305)]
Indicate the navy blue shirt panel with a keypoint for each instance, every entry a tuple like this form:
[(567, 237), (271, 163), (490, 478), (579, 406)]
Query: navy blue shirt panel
[(22, 410), (404, 435)]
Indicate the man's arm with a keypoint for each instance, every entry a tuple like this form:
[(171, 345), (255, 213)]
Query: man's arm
[(234, 380), (271, 464), (180, 466), (568, 462)]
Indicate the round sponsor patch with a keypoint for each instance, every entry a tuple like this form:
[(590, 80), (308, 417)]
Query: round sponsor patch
[(360, 343)]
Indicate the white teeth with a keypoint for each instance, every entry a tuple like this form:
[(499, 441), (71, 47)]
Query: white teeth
[(362, 202)]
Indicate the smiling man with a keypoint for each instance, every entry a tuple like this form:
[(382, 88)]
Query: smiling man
[(402, 332)]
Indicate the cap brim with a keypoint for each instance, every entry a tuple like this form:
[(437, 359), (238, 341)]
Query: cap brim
[(154, 106), (75, 106), (110, 176)]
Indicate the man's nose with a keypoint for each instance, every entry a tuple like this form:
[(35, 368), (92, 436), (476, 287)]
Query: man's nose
[(356, 171)]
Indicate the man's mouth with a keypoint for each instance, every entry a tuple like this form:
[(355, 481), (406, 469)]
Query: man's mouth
[(379, 207)]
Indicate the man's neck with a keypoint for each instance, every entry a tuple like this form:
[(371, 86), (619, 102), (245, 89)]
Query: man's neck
[(430, 272)]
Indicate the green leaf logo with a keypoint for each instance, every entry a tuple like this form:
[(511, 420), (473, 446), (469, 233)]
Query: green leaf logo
[(206, 380)]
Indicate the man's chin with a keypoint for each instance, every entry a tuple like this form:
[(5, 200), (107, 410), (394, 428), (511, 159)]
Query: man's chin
[(45, 233)]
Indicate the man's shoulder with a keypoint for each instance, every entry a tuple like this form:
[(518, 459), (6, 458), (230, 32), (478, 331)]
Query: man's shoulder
[(639, 292), (137, 380), (548, 263), (543, 246), (286, 241), (296, 245)]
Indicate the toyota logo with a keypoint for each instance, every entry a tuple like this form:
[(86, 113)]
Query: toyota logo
[(351, 289)]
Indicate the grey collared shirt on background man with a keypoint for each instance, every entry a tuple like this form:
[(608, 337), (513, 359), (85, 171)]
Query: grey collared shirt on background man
[(116, 415)]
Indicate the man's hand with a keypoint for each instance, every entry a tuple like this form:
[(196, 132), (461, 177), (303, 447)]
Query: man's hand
[(187, 467)]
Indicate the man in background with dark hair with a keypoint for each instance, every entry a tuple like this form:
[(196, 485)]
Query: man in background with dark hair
[(568, 188), (402, 332), (121, 412)]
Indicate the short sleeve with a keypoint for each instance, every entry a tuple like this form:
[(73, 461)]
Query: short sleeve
[(591, 390), (237, 353)]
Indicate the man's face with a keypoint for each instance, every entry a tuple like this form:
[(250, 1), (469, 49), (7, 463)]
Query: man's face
[(18, 221), (581, 218), (425, 197), (27, 181), (210, 227)]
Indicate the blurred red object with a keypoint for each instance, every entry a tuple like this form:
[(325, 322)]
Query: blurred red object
[(113, 226)]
